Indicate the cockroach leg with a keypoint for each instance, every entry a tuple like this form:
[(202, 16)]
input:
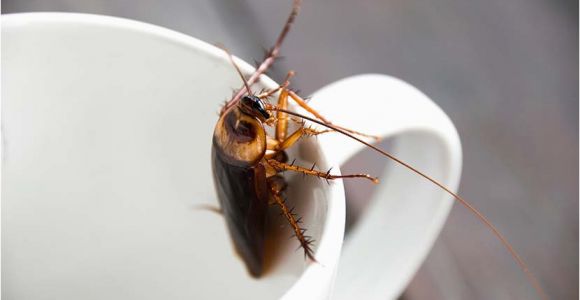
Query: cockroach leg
[(272, 143), (277, 185), (312, 172), (267, 94), (278, 146), (302, 103), (269, 60), (209, 207), (282, 124), (296, 135), (314, 132), (282, 117), (292, 139)]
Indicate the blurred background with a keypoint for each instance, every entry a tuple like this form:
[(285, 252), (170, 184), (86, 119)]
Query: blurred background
[(505, 71)]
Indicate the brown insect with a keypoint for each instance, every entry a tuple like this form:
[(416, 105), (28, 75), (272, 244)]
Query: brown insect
[(247, 163)]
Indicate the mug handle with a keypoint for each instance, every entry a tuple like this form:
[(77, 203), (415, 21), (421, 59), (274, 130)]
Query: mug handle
[(406, 213)]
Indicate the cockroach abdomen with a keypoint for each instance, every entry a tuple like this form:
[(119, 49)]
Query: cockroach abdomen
[(242, 191), (243, 196)]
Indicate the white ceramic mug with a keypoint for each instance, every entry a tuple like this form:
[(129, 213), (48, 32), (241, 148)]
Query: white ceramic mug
[(106, 135)]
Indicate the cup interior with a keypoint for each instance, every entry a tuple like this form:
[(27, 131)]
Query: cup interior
[(107, 128)]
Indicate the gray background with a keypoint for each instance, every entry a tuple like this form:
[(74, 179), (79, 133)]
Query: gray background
[(506, 72)]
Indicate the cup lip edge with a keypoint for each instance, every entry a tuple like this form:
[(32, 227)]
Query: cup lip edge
[(13, 20), (25, 18)]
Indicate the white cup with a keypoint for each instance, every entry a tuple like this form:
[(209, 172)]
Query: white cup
[(106, 135)]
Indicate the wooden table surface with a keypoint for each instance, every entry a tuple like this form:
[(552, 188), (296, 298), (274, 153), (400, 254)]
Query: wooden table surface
[(506, 72)]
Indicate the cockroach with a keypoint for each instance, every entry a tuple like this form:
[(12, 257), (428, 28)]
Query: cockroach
[(247, 163)]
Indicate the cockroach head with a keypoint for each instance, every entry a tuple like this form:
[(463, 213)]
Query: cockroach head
[(255, 107)]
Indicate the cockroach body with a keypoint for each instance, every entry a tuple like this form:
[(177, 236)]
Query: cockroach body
[(239, 143), (247, 164), (239, 168)]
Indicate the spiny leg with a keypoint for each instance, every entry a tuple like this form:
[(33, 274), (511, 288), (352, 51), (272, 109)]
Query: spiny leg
[(277, 185), (302, 103), (280, 166), (277, 146), (296, 135), (282, 118), (284, 85), (282, 124), (270, 57)]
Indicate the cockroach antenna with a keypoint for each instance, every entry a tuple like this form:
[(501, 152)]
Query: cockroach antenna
[(234, 163), (533, 280), (231, 57)]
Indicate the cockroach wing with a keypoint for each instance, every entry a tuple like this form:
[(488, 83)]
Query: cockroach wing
[(243, 196)]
